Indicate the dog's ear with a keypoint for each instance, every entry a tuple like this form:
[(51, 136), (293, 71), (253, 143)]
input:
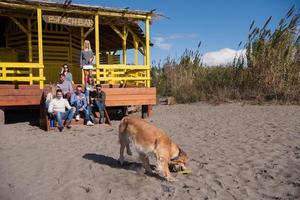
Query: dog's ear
[(183, 155)]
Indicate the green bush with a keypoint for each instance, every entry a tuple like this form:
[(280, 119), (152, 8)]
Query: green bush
[(272, 70)]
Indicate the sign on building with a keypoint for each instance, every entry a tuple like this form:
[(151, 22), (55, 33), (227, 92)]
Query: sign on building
[(69, 21)]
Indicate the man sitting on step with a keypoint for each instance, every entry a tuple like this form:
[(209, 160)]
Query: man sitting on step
[(99, 102), (79, 101), (65, 86), (57, 108)]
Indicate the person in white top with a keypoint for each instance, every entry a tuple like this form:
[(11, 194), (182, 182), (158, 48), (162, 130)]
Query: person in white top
[(57, 108)]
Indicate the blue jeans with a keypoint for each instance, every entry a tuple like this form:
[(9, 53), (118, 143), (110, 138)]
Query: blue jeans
[(87, 96), (52, 120), (100, 107), (87, 112), (68, 116)]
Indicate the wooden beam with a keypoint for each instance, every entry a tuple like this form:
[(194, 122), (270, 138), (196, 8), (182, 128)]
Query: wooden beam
[(29, 36), (19, 25), (82, 44), (134, 35), (88, 32), (20, 65), (97, 48), (117, 31), (141, 50), (136, 53), (148, 50), (40, 44), (9, 14), (70, 57), (84, 12), (19, 101), (125, 33)]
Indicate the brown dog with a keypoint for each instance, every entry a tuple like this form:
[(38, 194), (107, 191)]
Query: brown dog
[(148, 140)]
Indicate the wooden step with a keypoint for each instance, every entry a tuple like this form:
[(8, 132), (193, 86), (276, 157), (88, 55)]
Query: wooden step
[(21, 92), (18, 86), (130, 96), (20, 95), (21, 101)]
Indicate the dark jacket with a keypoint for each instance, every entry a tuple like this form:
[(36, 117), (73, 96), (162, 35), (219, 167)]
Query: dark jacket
[(100, 96)]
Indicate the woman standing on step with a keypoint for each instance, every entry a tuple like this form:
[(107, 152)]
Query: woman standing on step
[(66, 71), (87, 60)]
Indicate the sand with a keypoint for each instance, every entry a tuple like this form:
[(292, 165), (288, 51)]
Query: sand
[(236, 152)]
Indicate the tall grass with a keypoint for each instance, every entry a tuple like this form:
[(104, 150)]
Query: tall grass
[(270, 70)]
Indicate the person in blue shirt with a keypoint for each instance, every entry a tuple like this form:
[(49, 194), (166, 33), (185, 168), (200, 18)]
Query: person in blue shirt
[(78, 100)]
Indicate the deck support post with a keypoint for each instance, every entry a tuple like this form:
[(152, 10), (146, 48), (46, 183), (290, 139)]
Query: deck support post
[(148, 50), (70, 59), (136, 52), (82, 43), (29, 36), (146, 111), (97, 49), (124, 45), (2, 116), (40, 46)]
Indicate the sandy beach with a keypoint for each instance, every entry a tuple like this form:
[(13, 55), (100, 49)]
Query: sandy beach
[(236, 151)]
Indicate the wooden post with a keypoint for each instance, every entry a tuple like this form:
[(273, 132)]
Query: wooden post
[(82, 43), (97, 48), (124, 45), (144, 111), (2, 116), (136, 52), (29, 37), (70, 59), (144, 55), (40, 44), (148, 50)]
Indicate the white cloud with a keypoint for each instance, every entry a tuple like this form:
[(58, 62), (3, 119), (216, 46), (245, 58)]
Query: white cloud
[(161, 43), (221, 57), (175, 36), (164, 43), (182, 36)]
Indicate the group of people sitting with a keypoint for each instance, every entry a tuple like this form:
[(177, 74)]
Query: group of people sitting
[(68, 103)]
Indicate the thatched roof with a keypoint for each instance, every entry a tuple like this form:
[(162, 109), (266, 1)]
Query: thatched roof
[(47, 4), (107, 16)]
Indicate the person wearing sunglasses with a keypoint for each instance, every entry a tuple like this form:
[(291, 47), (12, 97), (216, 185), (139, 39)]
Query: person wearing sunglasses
[(66, 71)]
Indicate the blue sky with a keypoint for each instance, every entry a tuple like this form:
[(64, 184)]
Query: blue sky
[(218, 24)]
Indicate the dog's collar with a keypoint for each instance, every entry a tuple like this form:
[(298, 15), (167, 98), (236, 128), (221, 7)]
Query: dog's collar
[(177, 157)]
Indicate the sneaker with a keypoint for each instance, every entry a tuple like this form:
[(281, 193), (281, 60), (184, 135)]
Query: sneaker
[(89, 123), (68, 124), (60, 129), (77, 117)]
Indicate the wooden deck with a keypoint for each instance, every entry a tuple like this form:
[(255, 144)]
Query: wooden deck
[(14, 96), (25, 95)]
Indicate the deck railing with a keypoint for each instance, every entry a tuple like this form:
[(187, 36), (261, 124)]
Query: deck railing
[(22, 72), (116, 73), (108, 73)]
